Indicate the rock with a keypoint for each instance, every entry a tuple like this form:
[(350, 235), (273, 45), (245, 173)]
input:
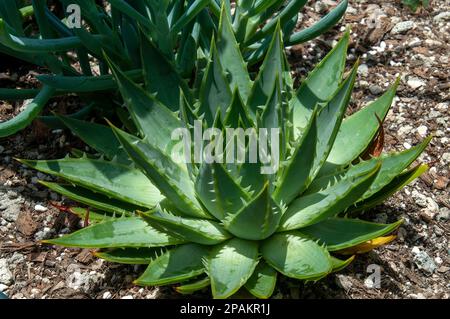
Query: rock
[(40, 208), (441, 182), (443, 269), (15, 259), (44, 234), (415, 83), (3, 288), (127, 297), (422, 130), (402, 27), (404, 130), (427, 215), (107, 295), (419, 199), (423, 260), (375, 89), (2, 149), (83, 280), (10, 206), (443, 16), (416, 42), (363, 70), (25, 223), (417, 296), (444, 214), (446, 157), (432, 205), (381, 218), (6, 277), (344, 281), (320, 7)]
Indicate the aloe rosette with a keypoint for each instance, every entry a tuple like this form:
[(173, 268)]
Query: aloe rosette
[(227, 226), (72, 55)]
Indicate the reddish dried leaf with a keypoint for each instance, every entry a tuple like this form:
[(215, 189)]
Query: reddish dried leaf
[(376, 146)]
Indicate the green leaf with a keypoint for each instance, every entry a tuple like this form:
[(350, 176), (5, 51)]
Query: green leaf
[(341, 233), (201, 231), (175, 265), (99, 137), (296, 256), (171, 179), (193, 286), (338, 264), (393, 165), (117, 233), (390, 189), (357, 131), (18, 94), (323, 25), (94, 217), (317, 206), (290, 10), (130, 256), (237, 112), (215, 92), (320, 85), (31, 45), (262, 283), (189, 14), (231, 58), (329, 120), (294, 176), (92, 199), (108, 178), (218, 191), (257, 220), (230, 265), (9, 12), (154, 120), (32, 109), (86, 84), (161, 77), (271, 70)]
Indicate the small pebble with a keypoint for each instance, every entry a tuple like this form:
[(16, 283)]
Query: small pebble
[(40, 208)]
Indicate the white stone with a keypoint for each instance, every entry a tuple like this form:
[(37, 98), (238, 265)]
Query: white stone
[(363, 69), (40, 208), (3, 287), (415, 83), (107, 295), (127, 297), (402, 27), (443, 16), (446, 157), (422, 130), (6, 277)]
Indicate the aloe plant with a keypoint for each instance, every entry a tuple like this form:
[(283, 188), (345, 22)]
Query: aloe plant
[(227, 226), (180, 29)]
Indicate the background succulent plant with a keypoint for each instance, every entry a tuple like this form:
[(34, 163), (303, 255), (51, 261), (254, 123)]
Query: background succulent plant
[(226, 225), (181, 30)]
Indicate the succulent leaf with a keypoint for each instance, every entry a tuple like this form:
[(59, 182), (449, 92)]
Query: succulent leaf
[(175, 265), (296, 256), (117, 233), (229, 266), (201, 231), (262, 283), (342, 233), (257, 220), (107, 178)]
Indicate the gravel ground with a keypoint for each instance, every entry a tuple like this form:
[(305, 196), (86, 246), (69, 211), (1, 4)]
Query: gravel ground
[(391, 41)]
